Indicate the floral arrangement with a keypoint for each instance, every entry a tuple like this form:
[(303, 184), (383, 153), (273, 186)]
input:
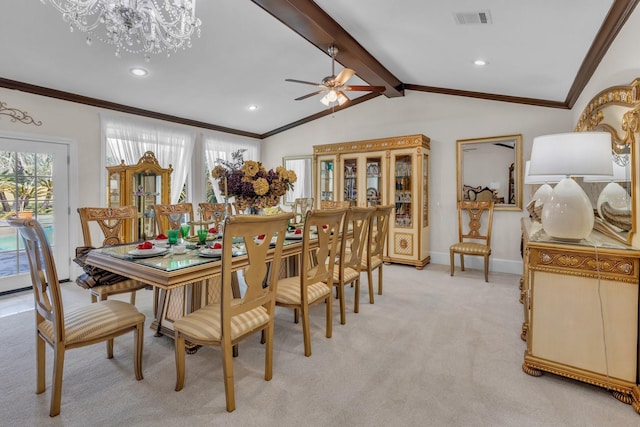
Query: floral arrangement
[(250, 183)]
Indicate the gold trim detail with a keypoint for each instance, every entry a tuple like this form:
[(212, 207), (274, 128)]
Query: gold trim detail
[(374, 145), (18, 115), (584, 265), (403, 244)]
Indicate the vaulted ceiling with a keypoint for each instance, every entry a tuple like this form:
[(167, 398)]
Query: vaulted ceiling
[(538, 52)]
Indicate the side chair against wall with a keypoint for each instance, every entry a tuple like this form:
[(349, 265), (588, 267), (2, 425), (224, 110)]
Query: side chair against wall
[(300, 208), (234, 318), (472, 240), (314, 284), (374, 248), (347, 270), (93, 323), (111, 223)]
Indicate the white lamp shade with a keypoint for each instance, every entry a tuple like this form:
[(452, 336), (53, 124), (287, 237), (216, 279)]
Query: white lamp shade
[(572, 154), (539, 179), (567, 214)]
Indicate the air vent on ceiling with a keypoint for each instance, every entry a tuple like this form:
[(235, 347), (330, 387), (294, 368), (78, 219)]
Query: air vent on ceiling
[(479, 17)]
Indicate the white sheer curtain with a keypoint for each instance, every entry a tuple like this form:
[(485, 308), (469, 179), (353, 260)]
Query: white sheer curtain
[(217, 145), (128, 139)]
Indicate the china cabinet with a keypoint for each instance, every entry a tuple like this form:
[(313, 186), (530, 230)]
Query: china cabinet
[(141, 185), (378, 172), (581, 310)]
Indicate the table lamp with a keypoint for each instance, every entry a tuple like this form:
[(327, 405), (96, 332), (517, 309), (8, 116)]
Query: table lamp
[(568, 214)]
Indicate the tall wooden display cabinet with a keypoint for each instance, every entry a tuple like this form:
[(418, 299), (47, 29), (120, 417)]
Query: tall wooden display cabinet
[(379, 172), (141, 185)]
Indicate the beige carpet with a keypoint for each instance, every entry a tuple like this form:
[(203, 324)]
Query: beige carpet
[(433, 351)]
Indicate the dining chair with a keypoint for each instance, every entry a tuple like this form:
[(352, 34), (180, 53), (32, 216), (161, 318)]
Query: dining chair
[(353, 236), (300, 208), (93, 323), (314, 283), (170, 216), (374, 248), (216, 212), (111, 223), (234, 318), (474, 236)]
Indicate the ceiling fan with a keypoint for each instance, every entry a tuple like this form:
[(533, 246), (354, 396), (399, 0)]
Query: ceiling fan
[(334, 86)]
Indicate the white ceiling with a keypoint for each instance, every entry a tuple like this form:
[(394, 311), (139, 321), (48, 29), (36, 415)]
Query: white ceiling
[(534, 50)]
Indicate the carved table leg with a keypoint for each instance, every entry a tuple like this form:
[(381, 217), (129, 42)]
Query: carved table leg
[(525, 329)]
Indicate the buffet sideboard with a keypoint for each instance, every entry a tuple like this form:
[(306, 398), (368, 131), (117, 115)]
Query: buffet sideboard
[(581, 310)]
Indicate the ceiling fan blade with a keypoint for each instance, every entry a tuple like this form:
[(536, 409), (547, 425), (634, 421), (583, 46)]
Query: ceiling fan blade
[(303, 82), (344, 75), (309, 95), (365, 88)]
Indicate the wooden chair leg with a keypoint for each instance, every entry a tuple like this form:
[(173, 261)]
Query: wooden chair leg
[(462, 262), (356, 302), (41, 352), (180, 368), (370, 279), (380, 279), (486, 269), (306, 333), (227, 370), (343, 317), (56, 381), (296, 315), (329, 313), (451, 261), (268, 356), (132, 298), (110, 349)]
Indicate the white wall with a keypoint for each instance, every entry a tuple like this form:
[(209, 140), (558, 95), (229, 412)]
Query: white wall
[(444, 119)]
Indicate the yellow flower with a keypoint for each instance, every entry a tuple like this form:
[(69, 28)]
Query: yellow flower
[(261, 186), (292, 177), (219, 172), (250, 168)]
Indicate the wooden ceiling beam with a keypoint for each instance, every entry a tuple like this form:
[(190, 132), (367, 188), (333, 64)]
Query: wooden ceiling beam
[(311, 22)]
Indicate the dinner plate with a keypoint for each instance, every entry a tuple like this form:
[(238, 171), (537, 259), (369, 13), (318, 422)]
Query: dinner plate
[(293, 236), (210, 253), (147, 253)]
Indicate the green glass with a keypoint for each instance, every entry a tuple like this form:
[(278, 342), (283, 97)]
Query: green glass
[(202, 236), (184, 230), (173, 236)]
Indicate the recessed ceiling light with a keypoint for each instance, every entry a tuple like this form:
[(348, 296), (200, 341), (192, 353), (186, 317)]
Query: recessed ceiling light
[(138, 71), (480, 62), (253, 107)]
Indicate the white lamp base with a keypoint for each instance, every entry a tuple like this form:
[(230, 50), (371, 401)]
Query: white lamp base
[(542, 194), (567, 214), (616, 196)]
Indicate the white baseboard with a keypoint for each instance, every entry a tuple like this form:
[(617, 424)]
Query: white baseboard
[(476, 262)]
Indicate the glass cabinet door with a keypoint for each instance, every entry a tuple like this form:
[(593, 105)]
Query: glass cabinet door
[(146, 193), (403, 196), (351, 180), (374, 181), (326, 180), (114, 190)]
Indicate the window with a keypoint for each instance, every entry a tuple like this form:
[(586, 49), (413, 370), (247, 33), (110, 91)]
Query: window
[(128, 139)]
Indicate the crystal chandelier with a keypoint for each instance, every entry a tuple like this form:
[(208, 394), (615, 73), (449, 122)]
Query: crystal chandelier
[(134, 26)]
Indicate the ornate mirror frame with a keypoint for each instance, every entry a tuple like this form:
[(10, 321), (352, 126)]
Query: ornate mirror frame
[(491, 169), (617, 110), (303, 167)]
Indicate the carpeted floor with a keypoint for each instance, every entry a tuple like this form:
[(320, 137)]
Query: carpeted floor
[(434, 350)]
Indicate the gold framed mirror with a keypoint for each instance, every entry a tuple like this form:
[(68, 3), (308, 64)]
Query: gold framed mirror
[(491, 169), (303, 167), (615, 110)]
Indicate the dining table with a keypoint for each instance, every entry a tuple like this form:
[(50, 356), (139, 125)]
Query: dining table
[(185, 282)]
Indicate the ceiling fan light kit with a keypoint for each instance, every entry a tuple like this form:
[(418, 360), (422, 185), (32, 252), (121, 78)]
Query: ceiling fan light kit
[(333, 86), (135, 26)]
